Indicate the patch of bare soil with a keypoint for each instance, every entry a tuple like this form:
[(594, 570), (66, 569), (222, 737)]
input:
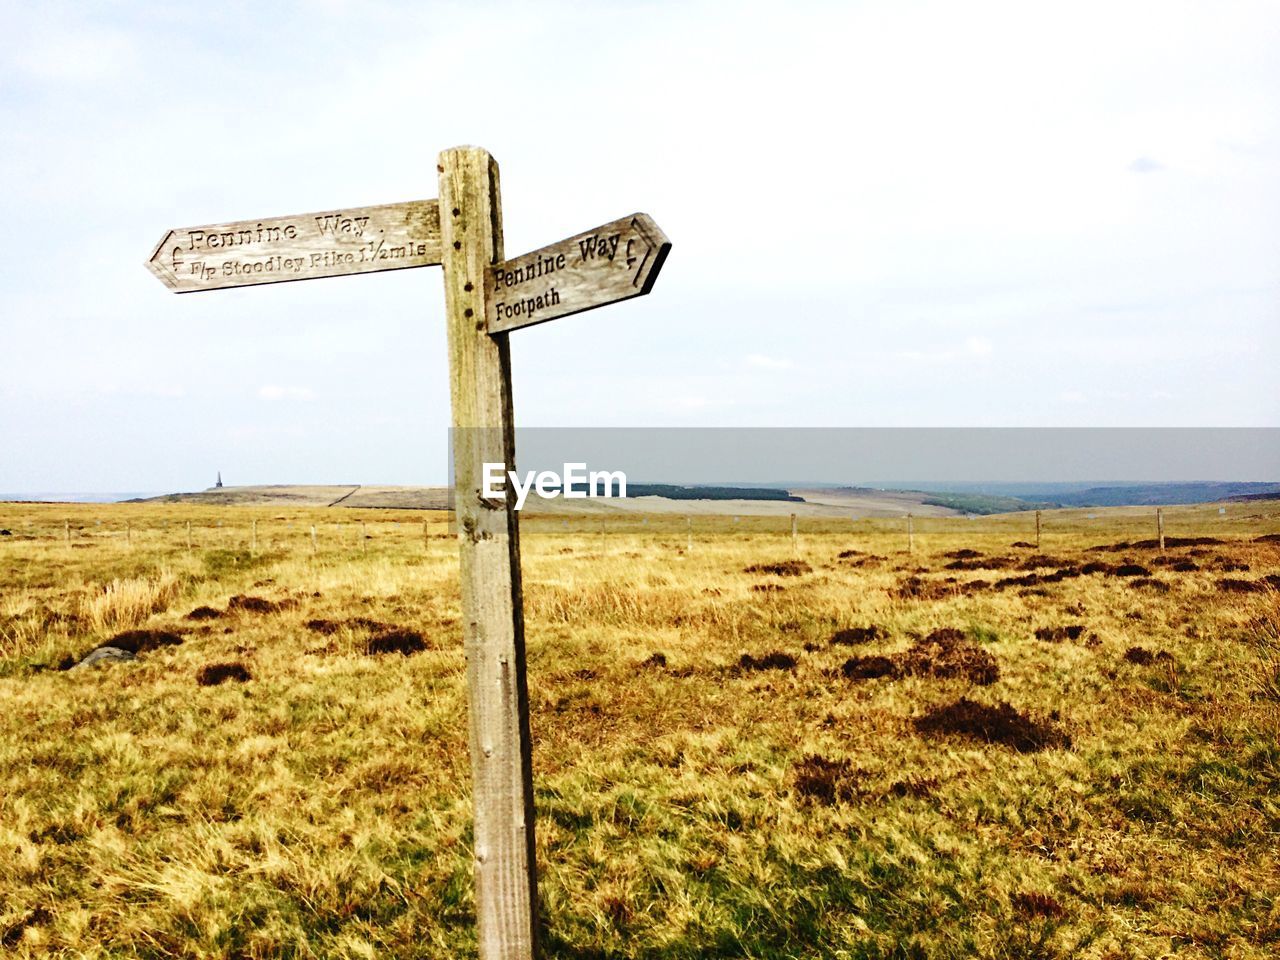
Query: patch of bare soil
[(855, 635), (1023, 545), (945, 654), (1130, 570), (1037, 905), (212, 674), (1059, 634), (656, 661), (777, 660), (140, 641), (1096, 566), (828, 782), (870, 668), (785, 568), (964, 553), (1230, 585), (330, 627), (240, 603), (917, 588), (1149, 583), (204, 613), (403, 642), (1155, 544), (999, 724), (1144, 657), (1268, 538)]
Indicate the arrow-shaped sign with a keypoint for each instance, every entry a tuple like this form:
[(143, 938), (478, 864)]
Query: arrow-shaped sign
[(614, 262), (327, 244)]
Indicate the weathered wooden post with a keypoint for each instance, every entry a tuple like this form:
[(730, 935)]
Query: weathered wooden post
[(364, 538), (426, 539), (253, 536), (489, 555), (66, 526), (1160, 527), (128, 533), (1037, 529), (911, 536), (689, 525), (315, 545), (795, 539), (188, 536), (486, 297)]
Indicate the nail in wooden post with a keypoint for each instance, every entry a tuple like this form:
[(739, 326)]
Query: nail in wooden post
[(911, 535), (1037, 529), (1160, 527), (489, 561), (795, 539)]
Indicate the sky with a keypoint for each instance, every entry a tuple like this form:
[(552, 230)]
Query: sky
[(882, 214)]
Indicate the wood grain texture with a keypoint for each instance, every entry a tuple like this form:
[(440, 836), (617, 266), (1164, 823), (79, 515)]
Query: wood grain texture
[(489, 546), (331, 243), (615, 261)]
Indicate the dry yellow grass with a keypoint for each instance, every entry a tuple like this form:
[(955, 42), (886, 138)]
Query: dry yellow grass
[(686, 807)]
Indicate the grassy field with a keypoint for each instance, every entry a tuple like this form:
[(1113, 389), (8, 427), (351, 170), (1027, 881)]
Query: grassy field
[(971, 750)]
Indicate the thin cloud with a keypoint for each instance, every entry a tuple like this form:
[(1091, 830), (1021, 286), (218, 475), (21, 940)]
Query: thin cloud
[(274, 391)]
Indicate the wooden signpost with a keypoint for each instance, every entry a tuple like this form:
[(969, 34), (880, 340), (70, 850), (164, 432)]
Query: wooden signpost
[(486, 296)]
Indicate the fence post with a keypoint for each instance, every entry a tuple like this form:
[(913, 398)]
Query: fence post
[(689, 524), (1037, 529), (315, 546), (911, 535), (253, 535), (1160, 527), (795, 538), (188, 536)]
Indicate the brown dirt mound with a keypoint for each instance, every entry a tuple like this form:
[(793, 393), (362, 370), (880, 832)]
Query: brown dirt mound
[(944, 654), (767, 588), (846, 554), (1130, 570), (212, 674), (1059, 634), (828, 782), (786, 568), (917, 588), (1229, 585), (962, 554), (999, 724), (855, 635), (140, 641), (1185, 566), (1096, 566), (655, 660), (1037, 905), (1144, 657), (396, 641), (204, 613), (1155, 544), (981, 563), (870, 668), (252, 604), (869, 560), (330, 627), (11, 933), (947, 653), (1023, 545), (1268, 538), (1149, 583), (777, 660)]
